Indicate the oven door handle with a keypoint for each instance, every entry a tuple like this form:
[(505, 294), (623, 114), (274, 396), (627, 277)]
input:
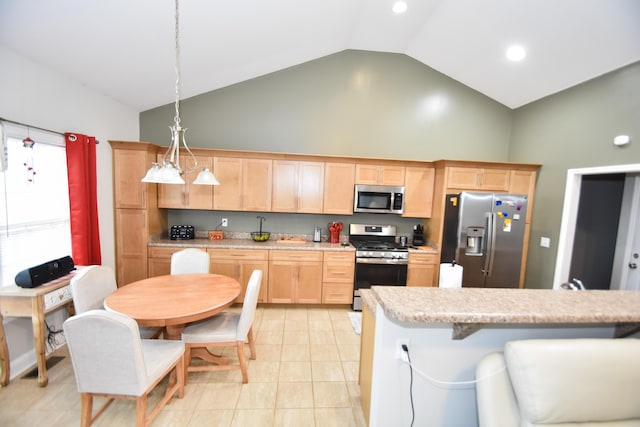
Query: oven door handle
[(382, 261)]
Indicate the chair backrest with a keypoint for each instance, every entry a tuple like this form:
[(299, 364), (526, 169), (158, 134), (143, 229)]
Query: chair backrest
[(106, 353), (190, 261), (249, 305), (90, 286)]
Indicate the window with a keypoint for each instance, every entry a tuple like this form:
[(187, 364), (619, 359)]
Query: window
[(34, 203)]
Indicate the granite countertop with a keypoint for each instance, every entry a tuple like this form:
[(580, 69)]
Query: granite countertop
[(474, 306), (369, 300), (244, 241)]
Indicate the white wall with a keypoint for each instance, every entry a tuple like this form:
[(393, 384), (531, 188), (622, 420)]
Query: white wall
[(33, 94)]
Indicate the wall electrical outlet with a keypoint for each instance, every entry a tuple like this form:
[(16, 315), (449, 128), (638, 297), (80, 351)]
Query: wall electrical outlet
[(400, 353), (225, 222), (545, 242)]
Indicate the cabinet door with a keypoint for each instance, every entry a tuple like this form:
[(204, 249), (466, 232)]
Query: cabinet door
[(246, 267), (418, 195), (285, 186), (131, 245), (339, 181), (310, 187), (281, 281), (422, 270), (129, 166), (227, 195), (308, 287), (462, 178), (495, 179), (379, 174), (256, 185)]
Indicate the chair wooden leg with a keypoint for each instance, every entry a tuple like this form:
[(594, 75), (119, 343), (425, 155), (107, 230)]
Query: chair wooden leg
[(86, 403), (252, 344), (243, 362), (181, 372), (141, 411), (186, 362)]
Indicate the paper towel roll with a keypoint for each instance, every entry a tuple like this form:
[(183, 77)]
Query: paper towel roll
[(450, 276)]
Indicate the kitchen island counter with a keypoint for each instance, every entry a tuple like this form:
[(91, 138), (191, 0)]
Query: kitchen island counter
[(446, 332)]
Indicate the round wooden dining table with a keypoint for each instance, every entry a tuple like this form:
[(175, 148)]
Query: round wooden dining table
[(172, 301)]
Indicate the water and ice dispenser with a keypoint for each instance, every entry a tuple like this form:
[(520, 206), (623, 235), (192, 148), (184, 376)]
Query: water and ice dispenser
[(475, 241)]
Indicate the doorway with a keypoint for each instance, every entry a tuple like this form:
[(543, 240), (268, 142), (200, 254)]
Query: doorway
[(622, 239)]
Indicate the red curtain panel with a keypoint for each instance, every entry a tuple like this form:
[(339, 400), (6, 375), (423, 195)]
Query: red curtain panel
[(83, 203)]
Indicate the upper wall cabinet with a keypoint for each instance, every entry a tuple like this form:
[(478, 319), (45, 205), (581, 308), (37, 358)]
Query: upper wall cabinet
[(486, 179), (418, 193), (245, 184), (297, 186), (380, 174), (187, 195), (129, 166), (339, 181)]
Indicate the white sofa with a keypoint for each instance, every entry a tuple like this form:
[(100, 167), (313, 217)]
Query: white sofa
[(562, 382)]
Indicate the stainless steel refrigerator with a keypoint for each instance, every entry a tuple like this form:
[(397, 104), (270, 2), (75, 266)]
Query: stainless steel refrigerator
[(484, 233)]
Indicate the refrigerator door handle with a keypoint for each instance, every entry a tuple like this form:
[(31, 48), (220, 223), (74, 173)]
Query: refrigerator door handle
[(491, 247)]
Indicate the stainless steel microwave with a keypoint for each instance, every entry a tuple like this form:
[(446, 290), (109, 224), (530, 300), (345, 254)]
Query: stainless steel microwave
[(378, 199)]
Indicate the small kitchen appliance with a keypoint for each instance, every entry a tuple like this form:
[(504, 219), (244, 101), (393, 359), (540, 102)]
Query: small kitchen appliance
[(182, 232), (379, 259), (418, 235), (378, 199), (316, 234)]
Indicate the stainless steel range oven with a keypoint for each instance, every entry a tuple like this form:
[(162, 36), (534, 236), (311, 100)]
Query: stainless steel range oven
[(379, 259)]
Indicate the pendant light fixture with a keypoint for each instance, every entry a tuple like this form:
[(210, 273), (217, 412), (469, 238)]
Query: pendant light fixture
[(170, 171)]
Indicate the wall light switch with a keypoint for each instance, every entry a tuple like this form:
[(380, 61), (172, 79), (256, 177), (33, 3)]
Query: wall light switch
[(545, 242)]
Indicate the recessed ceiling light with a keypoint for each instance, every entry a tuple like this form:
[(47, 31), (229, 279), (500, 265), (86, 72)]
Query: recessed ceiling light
[(399, 7), (516, 53)]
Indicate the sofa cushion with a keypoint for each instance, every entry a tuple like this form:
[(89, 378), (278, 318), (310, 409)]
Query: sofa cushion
[(575, 380)]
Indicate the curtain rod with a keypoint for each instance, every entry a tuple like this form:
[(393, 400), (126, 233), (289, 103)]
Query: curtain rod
[(35, 127)]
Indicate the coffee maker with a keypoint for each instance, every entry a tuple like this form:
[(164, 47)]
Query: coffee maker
[(418, 235)]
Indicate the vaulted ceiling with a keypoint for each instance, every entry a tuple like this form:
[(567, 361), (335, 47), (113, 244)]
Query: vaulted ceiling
[(125, 48)]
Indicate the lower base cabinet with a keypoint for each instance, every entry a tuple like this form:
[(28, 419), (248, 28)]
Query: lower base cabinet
[(160, 259), (422, 270), (337, 277), (295, 277), (239, 264)]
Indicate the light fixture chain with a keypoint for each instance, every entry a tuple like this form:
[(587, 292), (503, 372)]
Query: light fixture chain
[(177, 68)]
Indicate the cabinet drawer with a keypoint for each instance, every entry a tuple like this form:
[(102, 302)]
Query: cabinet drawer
[(423, 259), (235, 254), (162, 252), (337, 272), (337, 293), (277, 255), (343, 257)]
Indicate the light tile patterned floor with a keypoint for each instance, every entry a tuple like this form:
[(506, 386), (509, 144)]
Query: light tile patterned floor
[(306, 374)]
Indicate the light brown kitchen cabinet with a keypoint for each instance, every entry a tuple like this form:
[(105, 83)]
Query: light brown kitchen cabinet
[(136, 213), (422, 270), (482, 179), (297, 186), (187, 195), (365, 373), (160, 259), (380, 174), (295, 277), (337, 277), (418, 192), (245, 184), (339, 181), (239, 264)]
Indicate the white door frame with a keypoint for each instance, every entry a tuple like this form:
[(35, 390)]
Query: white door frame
[(570, 215)]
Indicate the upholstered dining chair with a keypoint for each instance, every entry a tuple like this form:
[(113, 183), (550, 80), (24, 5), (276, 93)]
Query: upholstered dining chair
[(91, 285), (190, 261), (225, 329), (110, 360)]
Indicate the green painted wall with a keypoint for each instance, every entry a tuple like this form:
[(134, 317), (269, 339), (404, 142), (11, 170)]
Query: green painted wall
[(390, 106), (573, 129)]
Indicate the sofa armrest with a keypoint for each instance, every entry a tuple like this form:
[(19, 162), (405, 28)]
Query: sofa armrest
[(497, 405)]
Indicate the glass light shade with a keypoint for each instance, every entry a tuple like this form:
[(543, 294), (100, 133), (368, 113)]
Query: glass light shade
[(205, 177), (170, 175), (153, 174)]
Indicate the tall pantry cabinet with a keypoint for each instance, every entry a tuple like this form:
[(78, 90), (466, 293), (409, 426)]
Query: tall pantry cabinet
[(136, 208)]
